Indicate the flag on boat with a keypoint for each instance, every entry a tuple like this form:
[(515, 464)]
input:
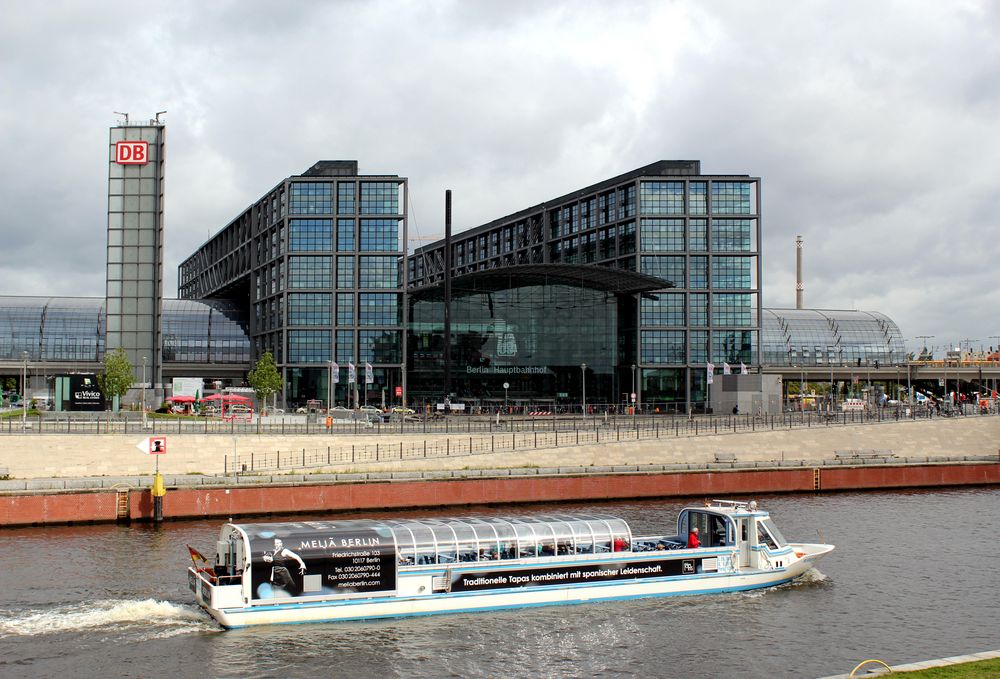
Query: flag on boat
[(196, 556), (352, 373), (743, 369), (369, 374), (709, 373), (335, 372), (726, 369)]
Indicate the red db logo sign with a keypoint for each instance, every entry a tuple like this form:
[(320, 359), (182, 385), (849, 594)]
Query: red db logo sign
[(131, 152)]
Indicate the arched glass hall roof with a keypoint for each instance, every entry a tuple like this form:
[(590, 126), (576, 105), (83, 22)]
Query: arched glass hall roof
[(815, 337), (71, 329)]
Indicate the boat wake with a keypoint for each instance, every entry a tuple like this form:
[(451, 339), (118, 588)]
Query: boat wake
[(154, 619)]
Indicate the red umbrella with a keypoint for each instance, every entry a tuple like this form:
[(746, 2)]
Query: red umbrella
[(181, 399)]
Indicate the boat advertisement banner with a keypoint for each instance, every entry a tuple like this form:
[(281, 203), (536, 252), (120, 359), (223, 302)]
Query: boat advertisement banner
[(563, 575), (322, 563)]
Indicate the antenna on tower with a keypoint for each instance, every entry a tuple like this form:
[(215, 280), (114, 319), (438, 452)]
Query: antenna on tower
[(122, 114)]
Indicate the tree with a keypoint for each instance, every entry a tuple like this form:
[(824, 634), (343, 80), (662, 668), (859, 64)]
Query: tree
[(117, 377), (264, 378)]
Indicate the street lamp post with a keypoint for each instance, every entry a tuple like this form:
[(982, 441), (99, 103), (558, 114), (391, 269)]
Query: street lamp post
[(506, 386), (329, 386), (144, 360), (24, 391), (632, 396), (583, 375)]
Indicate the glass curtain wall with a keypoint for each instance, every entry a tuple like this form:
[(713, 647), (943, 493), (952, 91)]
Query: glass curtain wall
[(701, 234), (533, 337)]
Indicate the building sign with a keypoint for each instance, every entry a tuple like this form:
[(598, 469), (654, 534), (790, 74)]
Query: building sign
[(132, 152), (84, 394), (325, 563), (506, 370), (188, 386), (562, 575)]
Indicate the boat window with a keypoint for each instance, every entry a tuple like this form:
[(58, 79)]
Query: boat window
[(699, 520), (719, 535), (775, 533), (527, 541), (764, 537)]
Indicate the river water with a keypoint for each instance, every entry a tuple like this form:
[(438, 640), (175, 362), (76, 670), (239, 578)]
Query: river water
[(914, 577)]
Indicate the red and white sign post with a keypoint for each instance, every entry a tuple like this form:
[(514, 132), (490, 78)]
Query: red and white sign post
[(154, 445)]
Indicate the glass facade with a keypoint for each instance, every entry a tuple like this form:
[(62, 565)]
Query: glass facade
[(714, 264), (319, 259), (532, 335)]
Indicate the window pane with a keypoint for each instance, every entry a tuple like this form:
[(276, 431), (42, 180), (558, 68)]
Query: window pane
[(663, 346), (379, 308), (378, 272), (345, 272), (345, 308), (664, 308), (733, 272), (310, 235), (730, 309), (662, 235), (661, 198), (311, 198), (309, 309), (345, 235), (733, 235), (308, 346), (379, 198), (380, 235), (309, 272), (731, 198), (668, 268)]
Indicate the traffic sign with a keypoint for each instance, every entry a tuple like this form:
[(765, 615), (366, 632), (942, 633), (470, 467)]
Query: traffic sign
[(633, 397), (506, 385), (154, 445)]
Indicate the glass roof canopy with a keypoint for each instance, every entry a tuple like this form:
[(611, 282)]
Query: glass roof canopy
[(449, 540), (473, 538), (812, 337), (71, 329)]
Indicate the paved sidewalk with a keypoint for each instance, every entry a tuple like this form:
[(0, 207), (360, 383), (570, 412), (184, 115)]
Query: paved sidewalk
[(71, 456)]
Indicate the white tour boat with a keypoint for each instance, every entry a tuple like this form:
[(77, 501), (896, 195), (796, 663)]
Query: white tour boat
[(312, 571)]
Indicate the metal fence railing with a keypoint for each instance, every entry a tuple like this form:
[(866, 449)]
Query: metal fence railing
[(483, 437), (53, 423)]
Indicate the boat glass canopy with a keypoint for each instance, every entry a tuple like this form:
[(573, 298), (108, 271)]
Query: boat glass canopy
[(425, 541)]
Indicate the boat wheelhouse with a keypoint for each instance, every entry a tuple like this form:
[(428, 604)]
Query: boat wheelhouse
[(267, 573)]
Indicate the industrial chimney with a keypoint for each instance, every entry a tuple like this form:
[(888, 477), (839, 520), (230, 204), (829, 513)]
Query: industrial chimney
[(798, 272)]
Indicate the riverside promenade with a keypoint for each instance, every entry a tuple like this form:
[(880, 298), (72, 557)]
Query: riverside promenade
[(33, 456), (63, 478)]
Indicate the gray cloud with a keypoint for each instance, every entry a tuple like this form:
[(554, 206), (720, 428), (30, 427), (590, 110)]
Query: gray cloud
[(872, 124)]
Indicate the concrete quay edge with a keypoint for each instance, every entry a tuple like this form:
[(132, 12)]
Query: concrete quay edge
[(140, 482), (922, 665)]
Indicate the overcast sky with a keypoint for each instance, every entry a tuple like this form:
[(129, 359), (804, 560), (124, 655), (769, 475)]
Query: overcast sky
[(873, 125)]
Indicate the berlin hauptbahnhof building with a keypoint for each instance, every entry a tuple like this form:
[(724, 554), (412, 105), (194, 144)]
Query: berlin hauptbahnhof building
[(634, 284)]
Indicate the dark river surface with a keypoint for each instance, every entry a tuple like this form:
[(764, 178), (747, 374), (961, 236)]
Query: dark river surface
[(914, 576)]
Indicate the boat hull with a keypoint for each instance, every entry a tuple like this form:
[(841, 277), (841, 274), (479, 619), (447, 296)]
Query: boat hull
[(515, 597)]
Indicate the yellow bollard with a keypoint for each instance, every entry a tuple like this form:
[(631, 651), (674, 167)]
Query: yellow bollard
[(158, 491)]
